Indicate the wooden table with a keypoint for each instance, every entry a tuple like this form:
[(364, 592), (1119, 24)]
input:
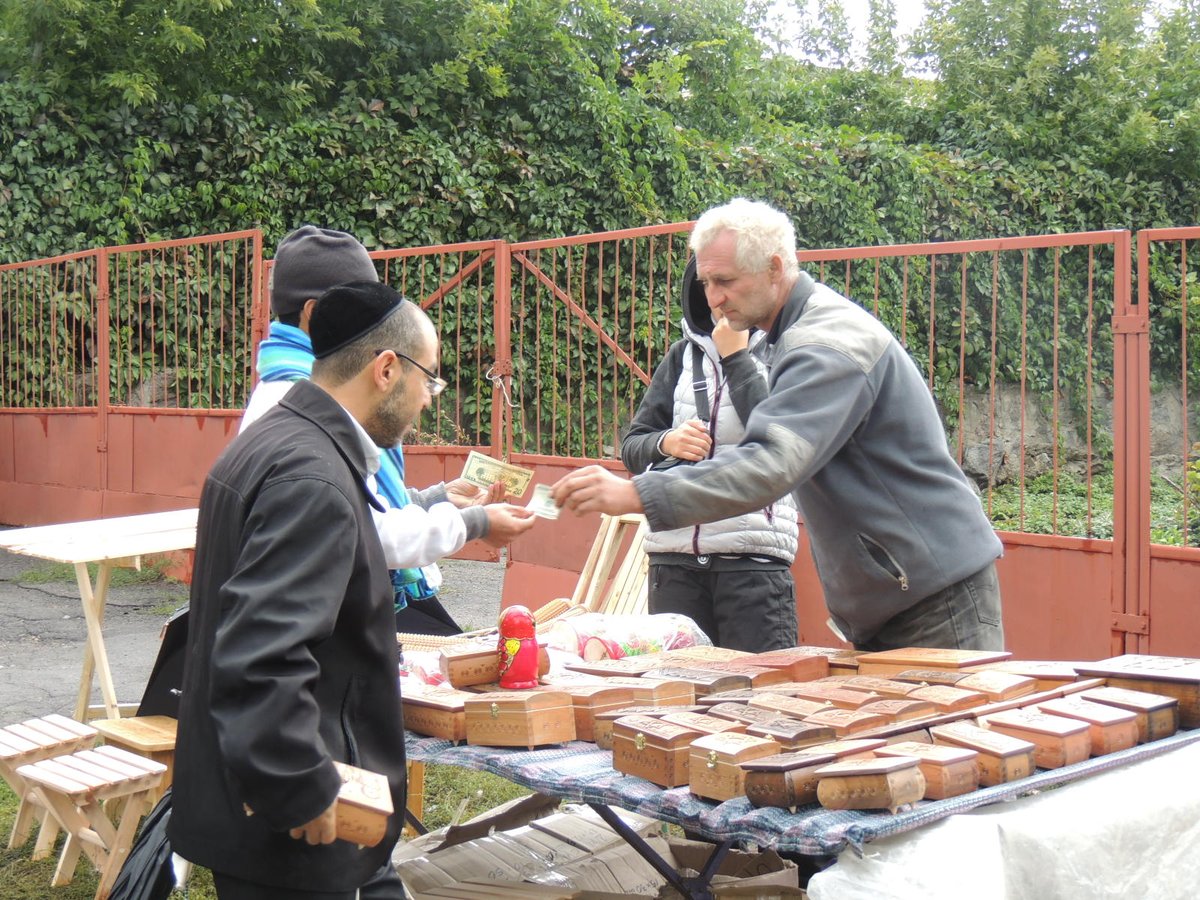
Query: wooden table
[(108, 543)]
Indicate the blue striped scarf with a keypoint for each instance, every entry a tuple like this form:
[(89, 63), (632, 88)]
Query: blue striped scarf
[(286, 355)]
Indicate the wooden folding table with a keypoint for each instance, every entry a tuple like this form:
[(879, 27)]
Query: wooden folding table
[(108, 543)]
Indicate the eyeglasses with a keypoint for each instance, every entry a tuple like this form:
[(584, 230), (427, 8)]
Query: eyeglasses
[(433, 382)]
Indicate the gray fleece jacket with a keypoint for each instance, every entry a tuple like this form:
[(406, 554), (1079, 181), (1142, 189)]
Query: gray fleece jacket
[(850, 428)]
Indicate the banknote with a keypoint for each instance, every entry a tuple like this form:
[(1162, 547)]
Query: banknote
[(542, 503), (485, 471)]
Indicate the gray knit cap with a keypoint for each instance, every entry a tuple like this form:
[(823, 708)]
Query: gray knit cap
[(311, 260)]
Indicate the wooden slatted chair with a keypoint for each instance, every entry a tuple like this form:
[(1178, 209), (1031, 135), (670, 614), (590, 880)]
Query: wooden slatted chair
[(32, 741), (81, 791), (150, 736), (624, 593)]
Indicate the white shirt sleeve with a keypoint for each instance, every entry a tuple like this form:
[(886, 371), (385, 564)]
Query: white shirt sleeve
[(264, 396), (414, 537)]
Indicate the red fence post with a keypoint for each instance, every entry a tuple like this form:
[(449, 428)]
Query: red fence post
[(502, 367), (103, 365)]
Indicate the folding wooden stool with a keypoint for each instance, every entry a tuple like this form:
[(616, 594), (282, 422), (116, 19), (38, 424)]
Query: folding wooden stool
[(28, 742), (149, 736), (81, 791)]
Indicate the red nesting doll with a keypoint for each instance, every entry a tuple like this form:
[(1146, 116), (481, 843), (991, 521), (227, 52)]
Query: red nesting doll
[(517, 648)]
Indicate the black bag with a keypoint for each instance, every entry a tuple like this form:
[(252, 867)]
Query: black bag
[(147, 873), (161, 696)]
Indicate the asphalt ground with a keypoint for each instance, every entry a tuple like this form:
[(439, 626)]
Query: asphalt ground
[(43, 633)]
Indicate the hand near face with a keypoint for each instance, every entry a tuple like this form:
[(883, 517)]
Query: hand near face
[(726, 339), (689, 441), (595, 489), (507, 522)]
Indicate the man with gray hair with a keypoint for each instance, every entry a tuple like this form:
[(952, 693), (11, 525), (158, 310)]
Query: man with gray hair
[(905, 554)]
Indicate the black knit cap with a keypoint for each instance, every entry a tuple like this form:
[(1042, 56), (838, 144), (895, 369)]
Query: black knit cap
[(346, 312), (311, 260)]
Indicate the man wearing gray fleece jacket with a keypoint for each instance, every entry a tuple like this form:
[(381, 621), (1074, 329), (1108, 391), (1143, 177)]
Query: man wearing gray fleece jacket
[(905, 554)]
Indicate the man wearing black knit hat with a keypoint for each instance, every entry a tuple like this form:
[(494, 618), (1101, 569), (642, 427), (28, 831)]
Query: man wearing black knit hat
[(291, 661), (418, 527)]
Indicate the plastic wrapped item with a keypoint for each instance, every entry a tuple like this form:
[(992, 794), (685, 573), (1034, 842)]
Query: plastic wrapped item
[(599, 636)]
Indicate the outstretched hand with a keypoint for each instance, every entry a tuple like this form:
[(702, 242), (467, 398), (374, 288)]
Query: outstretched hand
[(595, 489), (506, 522)]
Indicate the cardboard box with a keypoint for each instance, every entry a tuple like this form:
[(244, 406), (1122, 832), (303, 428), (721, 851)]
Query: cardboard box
[(479, 851), (764, 874)]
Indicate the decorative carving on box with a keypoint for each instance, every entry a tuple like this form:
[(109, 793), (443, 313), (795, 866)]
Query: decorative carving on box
[(785, 780), (870, 783), (652, 749), (1002, 758), (1173, 676), (1058, 741), (1157, 715), (520, 719), (1110, 729), (714, 769), (798, 664), (703, 681), (887, 662), (846, 722), (948, 771), (364, 805)]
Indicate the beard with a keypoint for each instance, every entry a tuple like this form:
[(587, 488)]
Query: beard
[(391, 420)]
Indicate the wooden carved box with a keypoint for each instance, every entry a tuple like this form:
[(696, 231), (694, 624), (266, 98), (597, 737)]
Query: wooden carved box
[(436, 710), (794, 707), (785, 780), (742, 712), (898, 710), (760, 676), (476, 662), (949, 699), (714, 768), (888, 662), (834, 693), (792, 734), (1157, 715), (703, 724), (1058, 741), (1048, 673), (602, 722), (658, 692), (875, 684), (796, 663), (364, 805), (590, 699), (703, 681), (1173, 676), (1002, 758), (1110, 729), (881, 783), (948, 771), (520, 719), (652, 749), (846, 722)]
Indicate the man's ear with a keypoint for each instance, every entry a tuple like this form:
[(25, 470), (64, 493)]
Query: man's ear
[(385, 369), (775, 267), (306, 312)]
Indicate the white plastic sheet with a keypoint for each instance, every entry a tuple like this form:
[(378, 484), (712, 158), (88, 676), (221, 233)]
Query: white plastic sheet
[(1132, 832)]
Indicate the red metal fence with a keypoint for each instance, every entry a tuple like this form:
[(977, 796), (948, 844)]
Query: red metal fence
[(1036, 350)]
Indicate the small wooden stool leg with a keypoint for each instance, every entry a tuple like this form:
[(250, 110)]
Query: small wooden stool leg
[(416, 793)]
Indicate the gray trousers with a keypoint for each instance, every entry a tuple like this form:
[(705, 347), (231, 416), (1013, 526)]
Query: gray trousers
[(964, 616)]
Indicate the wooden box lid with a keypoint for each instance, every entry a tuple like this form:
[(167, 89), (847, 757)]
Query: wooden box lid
[(788, 762), (702, 723), (796, 707), (938, 754), (898, 710), (999, 685), (627, 665), (875, 766), (844, 698), (686, 654), (792, 733), (646, 731), (846, 722), (364, 804), (884, 687), (760, 676), (654, 712), (1086, 711), (1124, 698), (657, 691), (949, 699), (742, 712), (1033, 722), (436, 697), (887, 661), (924, 677), (516, 702), (965, 734), (1048, 673), (703, 681), (732, 747), (741, 695), (800, 665), (846, 748), (1153, 668)]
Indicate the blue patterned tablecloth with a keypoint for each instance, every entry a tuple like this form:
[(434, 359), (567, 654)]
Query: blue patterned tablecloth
[(581, 772)]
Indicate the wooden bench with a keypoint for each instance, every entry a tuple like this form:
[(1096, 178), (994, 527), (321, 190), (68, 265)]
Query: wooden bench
[(32, 741), (97, 797)]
